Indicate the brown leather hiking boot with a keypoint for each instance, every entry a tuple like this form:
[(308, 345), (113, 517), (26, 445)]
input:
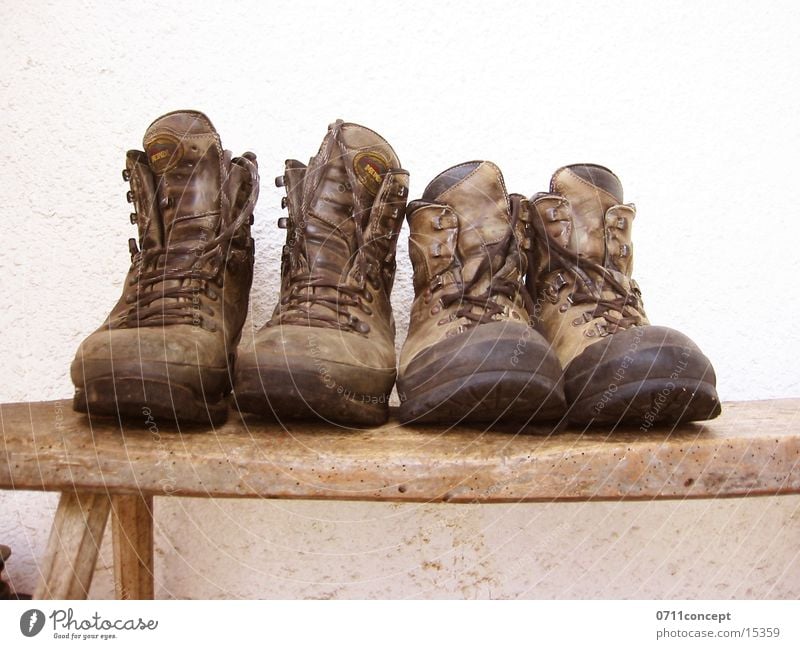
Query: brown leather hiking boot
[(167, 348), (472, 353), (617, 366), (328, 350)]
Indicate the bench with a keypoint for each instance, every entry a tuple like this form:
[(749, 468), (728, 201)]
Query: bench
[(106, 469)]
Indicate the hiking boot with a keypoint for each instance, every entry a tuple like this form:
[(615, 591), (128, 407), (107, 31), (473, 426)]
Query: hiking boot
[(166, 350), (472, 354), (328, 350), (618, 367)]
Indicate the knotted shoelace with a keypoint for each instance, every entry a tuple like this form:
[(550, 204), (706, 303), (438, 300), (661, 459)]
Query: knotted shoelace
[(192, 269), (485, 304)]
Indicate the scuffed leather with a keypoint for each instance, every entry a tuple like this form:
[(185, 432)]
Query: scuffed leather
[(199, 195), (345, 211), (466, 212), (591, 222)]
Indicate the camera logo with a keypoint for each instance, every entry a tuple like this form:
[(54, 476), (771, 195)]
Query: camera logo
[(31, 622)]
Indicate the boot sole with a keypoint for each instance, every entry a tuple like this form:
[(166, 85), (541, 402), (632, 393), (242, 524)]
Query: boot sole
[(148, 401), (653, 375), (496, 372), (485, 397), (649, 403), (283, 393)]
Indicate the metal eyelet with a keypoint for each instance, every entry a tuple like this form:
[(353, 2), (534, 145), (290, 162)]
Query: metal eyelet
[(126, 175), (444, 221), (359, 325)]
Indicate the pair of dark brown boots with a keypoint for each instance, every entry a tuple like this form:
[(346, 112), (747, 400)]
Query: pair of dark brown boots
[(524, 309)]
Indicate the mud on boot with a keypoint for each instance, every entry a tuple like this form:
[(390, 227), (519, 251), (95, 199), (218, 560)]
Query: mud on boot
[(327, 352), (167, 348), (471, 354), (618, 367)]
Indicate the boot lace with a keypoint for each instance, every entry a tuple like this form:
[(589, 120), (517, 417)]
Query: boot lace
[(190, 271), (627, 303), (308, 290), (485, 304)]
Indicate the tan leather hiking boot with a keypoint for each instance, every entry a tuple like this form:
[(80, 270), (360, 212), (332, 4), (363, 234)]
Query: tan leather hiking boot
[(167, 348), (618, 367), (328, 350), (472, 353)]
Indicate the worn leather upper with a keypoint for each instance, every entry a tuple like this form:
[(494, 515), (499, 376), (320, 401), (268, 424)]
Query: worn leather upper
[(467, 248), (345, 210), (186, 294), (583, 259)]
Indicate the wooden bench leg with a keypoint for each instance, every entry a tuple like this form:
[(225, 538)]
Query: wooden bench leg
[(132, 528), (73, 546)]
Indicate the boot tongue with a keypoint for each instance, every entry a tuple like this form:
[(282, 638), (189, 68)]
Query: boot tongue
[(185, 155), (477, 194), (475, 190), (591, 191), (341, 184)]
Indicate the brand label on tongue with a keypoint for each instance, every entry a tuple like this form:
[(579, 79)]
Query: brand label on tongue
[(164, 153), (370, 168)]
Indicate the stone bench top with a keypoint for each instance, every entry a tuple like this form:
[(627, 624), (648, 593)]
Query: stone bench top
[(753, 448)]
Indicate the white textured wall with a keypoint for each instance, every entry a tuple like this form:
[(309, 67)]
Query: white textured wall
[(693, 104)]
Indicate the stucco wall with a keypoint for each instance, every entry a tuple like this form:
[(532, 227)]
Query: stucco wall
[(694, 105)]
